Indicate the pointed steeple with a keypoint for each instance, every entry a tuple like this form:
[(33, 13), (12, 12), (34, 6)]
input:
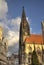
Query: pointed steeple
[(23, 14), (24, 24)]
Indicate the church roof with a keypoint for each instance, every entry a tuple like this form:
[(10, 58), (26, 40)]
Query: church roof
[(34, 38)]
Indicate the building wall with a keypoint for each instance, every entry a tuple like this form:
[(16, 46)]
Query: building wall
[(13, 60), (3, 49), (29, 48), (3, 53)]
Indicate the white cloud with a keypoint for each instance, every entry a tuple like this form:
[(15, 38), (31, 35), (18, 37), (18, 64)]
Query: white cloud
[(17, 21), (3, 9), (5, 28), (13, 37), (11, 33), (10, 27)]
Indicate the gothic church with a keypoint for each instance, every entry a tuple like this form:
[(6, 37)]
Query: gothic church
[(30, 42)]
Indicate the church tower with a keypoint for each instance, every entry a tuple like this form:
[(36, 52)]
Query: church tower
[(24, 32)]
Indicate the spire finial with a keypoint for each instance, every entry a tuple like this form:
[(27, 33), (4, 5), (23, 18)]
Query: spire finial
[(23, 7)]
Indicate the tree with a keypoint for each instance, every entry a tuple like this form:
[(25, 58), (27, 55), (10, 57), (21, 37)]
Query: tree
[(35, 60)]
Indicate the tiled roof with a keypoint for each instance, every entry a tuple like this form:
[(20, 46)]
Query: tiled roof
[(34, 38)]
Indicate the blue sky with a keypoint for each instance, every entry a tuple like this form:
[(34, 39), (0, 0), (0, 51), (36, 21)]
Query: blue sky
[(34, 10)]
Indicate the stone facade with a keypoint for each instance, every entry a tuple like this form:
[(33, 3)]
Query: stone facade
[(13, 60), (3, 49)]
